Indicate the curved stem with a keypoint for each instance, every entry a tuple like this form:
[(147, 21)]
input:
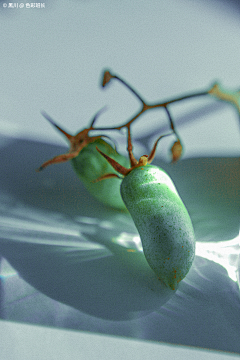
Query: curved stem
[(96, 116), (146, 107), (129, 88), (152, 154), (185, 97), (171, 122), (132, 159)]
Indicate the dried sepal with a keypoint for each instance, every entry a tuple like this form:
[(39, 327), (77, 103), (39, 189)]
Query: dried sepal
[(118, 167), (107, 176), (58, 159), (77, 142), (143, 161), (152, 154)]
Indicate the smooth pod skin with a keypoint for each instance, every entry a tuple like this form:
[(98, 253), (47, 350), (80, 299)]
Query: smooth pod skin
[(90, 165), (162, 221)]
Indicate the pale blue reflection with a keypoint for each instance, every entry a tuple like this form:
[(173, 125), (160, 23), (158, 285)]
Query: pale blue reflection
[(21, 225), (94, 221), (6, 270), (130, 241), (88, 270), (96, 265), (35, 232), (42, 231), (224, 253)]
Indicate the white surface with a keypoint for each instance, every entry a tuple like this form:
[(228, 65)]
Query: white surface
[(44, 343)]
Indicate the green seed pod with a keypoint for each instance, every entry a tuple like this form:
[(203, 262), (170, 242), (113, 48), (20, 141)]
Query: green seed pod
[(162, 221), (90, 165)]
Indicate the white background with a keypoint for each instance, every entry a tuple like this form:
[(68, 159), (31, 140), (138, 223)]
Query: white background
[(52, 59)]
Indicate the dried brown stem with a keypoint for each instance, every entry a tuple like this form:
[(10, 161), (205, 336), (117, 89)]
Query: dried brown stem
[(146, 106)]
